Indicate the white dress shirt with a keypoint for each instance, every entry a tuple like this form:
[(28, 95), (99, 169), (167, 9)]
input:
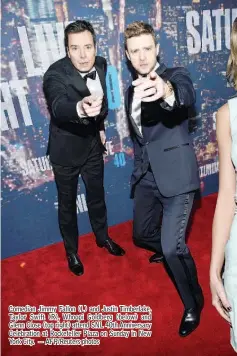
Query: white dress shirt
[(136, 107)]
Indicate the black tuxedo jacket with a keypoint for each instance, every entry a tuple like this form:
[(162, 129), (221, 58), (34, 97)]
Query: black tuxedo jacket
[(165, 141), (70, 136)]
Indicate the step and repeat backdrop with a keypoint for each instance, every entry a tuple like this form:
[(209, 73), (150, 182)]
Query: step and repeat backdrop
[(192, 33)]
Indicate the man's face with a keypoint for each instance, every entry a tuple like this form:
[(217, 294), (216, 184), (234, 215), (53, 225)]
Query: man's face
[(81, 50), (142, 52)]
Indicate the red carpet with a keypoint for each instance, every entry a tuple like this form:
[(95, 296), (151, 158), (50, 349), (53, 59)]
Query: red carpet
[(42, 277)]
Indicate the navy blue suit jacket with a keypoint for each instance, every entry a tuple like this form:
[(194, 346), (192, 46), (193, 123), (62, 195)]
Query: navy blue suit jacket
[(166, 140)]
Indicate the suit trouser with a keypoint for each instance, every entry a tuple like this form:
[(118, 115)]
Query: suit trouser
[(171, 239), (66, 178), (147, 213)]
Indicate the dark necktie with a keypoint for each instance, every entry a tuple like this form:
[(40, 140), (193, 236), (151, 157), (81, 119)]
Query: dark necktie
[(91, 75)]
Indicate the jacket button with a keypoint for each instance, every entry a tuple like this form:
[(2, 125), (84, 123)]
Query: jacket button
[(85, 121)]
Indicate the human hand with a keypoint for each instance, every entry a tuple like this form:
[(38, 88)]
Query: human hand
[(219, 298), (91, 105), (150, 88)]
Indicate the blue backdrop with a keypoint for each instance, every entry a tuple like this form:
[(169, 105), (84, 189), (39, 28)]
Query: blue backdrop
[(192, 34)]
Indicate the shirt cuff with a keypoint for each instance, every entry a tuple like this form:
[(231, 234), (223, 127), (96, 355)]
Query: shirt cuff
[(79, 111), (170, 99), (83, 119)]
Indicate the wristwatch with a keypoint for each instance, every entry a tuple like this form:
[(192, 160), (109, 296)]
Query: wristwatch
[(170, 89)]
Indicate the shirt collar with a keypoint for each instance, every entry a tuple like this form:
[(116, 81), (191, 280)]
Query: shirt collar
[(156, 66), (85, 73)]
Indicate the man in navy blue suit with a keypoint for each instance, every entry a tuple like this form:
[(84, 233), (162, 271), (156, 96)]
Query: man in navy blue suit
[(165, 175)]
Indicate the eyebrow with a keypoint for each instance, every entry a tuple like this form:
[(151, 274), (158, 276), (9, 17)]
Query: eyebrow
[(136, 49), (74, 45)]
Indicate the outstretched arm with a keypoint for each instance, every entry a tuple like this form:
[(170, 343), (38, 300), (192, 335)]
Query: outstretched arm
[(175, 92), (183, 88), (55, 90)]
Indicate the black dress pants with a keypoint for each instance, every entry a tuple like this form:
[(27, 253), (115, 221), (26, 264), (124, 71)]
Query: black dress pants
[(66, 178)]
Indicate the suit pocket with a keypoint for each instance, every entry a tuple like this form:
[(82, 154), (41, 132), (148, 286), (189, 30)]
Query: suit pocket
[(61, 132), (175, 147)]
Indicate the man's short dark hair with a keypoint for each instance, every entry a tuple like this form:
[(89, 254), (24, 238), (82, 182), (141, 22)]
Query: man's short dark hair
[(77, 27)]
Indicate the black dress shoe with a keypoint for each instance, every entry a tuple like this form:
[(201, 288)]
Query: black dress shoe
[(75, 264), (156, 258), (190, 321), (112, 247)]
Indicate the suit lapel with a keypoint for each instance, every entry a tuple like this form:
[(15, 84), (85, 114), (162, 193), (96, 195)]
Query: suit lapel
[(76, 79), (101, 73), (129, 110), (161, 69), (79, 83)]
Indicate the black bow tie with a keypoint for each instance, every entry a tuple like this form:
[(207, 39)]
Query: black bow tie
[(91, 75)]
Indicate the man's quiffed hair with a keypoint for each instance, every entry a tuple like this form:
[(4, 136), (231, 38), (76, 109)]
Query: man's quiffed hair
[(77, 27), (138, 28)]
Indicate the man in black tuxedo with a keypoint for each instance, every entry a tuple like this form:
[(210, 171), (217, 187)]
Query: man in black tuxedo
[(165, 175), (75, 91)]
